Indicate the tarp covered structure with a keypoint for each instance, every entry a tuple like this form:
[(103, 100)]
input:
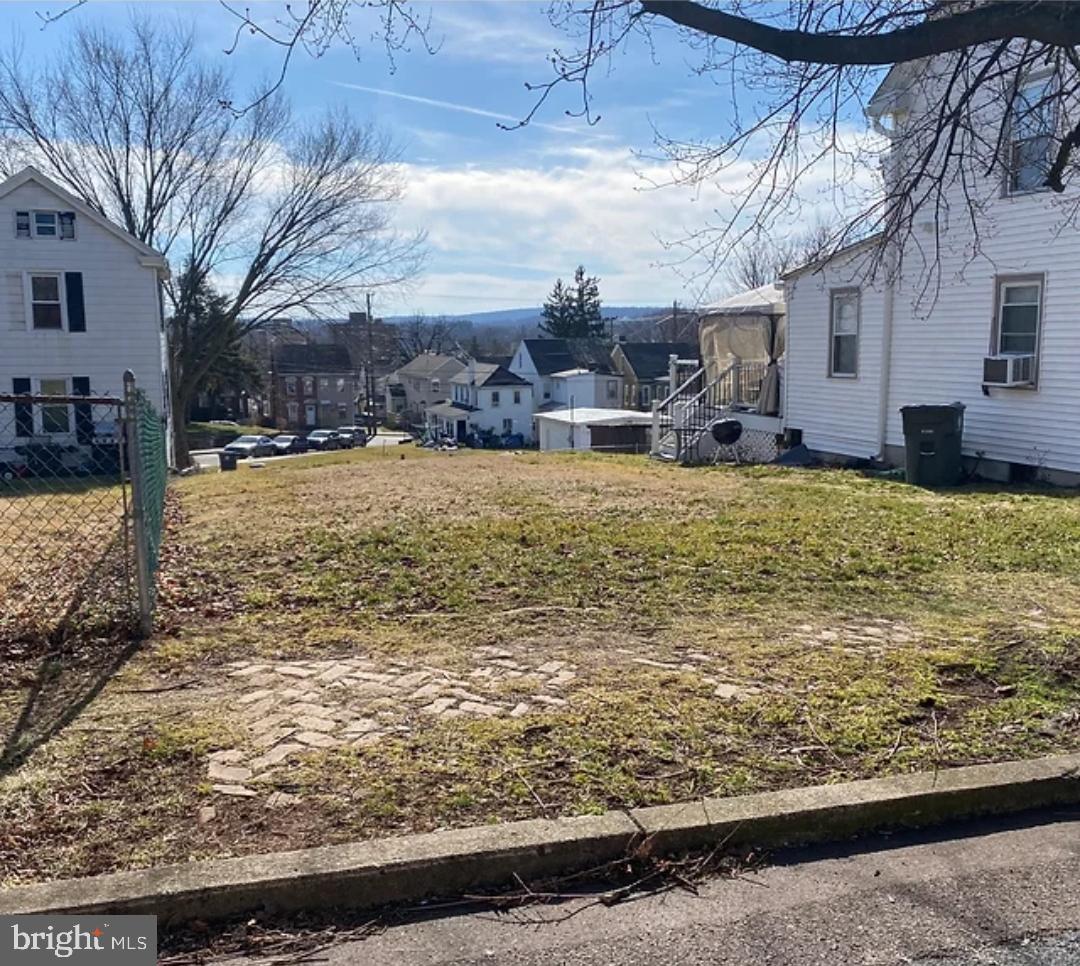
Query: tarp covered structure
[(749, 327)]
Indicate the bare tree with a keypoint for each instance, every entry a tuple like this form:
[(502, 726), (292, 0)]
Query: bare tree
[(421, 334), (289, 216), (812, 67), (761, 259)]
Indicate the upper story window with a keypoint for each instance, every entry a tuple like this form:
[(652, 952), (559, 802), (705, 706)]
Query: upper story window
[(309, 385), (613, 389), (340, 385), (45, 224), (1019, 311), (290, 385), (494, 398), (517, 396), (844, 333), (46, 308), (1032, 127)]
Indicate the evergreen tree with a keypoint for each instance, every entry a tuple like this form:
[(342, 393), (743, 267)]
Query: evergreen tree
[(573, 312), (558, 313), (587, 319)]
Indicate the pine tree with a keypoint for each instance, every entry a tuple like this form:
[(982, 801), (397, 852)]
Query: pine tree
[(588, 321), (558, 313), (573, 312)]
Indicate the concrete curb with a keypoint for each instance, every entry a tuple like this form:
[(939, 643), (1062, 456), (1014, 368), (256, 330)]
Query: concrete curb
[(412, 868)]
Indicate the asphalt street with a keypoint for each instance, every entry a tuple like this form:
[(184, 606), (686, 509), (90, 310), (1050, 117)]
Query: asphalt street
[(990, 894), (207, 459)]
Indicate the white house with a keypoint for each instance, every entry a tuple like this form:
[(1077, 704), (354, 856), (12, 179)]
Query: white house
[(485, 398), (80, 302), (997, 327), (565, 371)]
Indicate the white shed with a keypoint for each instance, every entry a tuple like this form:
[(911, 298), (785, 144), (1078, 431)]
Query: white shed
[(604, 430)]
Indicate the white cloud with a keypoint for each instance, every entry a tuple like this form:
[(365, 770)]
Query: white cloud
[(501, 233)]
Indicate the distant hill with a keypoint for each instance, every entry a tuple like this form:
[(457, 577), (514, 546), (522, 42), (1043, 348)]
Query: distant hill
[(531, 316)]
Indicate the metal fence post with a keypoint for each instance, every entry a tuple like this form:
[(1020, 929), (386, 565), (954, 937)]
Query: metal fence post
[(143, 576)]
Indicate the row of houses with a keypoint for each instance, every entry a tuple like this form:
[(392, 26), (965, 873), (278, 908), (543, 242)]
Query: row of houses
[(834, 354), (459, 398)]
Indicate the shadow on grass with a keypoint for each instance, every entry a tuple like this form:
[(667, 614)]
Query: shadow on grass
[(93, 638)]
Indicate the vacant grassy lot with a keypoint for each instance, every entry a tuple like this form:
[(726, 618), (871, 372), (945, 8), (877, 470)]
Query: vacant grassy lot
[(374, 642)]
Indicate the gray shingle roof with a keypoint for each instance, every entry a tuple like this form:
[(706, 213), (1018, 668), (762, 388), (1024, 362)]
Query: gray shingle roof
[(311, 357), (649, 360), (558, 355)]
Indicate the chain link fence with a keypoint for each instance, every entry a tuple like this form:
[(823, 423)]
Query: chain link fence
[(81, 514)]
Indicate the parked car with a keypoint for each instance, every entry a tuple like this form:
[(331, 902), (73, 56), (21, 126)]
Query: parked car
[(286, 445), (357, 433), (345, 440), (253, 446), (323, 439)]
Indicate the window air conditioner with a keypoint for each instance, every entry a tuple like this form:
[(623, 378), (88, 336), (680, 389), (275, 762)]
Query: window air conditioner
[(1012, 370)]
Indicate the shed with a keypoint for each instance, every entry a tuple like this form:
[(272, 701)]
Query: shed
[(605, 430)]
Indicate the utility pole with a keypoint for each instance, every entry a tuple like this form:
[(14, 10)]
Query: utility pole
[(369, 371), (674, 320)]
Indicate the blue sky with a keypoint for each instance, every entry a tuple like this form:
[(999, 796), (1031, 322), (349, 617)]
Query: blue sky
[(506, 212)]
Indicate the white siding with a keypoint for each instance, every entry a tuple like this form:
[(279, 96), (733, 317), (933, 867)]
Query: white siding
[(939, 358), (939, 342), (123, 323), (835, 414)]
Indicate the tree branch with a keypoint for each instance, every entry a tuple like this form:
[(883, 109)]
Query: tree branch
[(1039, 20)]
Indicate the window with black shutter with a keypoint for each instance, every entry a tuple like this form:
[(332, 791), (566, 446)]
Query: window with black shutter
[(24, 412), (76, 309), (84, 412)]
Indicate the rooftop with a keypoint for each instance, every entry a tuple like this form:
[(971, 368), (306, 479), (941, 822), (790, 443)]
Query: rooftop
[(313, 357), (598, 417)]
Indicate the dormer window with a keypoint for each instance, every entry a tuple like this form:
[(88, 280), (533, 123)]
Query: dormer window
[(45, 224), (1032, 128)]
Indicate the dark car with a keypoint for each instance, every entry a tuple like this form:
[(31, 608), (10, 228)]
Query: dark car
[(358, 434), (286, 445), (324, 439), (253, 446), (345, 440)]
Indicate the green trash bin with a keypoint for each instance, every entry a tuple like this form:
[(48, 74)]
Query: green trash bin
[(932, 439)]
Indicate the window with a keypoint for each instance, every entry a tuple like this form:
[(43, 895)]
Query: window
[(45, 306), (508, 427), (324, 383), (613, 389), (56, 418), (1033, 124), (45, 224), (342, 410), (645, 395), (435, 385), (844, 333), (1019, 311), (290, 386), (494, 398), (517, 396), (547, 389), (309, 386), (293, 410)]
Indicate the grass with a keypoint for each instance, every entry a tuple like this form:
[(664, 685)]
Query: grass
[(862, 627), (61, 557)]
